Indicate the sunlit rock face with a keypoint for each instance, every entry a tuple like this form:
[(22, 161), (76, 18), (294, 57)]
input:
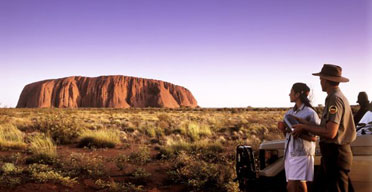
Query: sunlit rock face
[(104, 91)]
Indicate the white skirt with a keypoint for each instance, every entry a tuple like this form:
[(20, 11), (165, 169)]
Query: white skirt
[(299, 168)]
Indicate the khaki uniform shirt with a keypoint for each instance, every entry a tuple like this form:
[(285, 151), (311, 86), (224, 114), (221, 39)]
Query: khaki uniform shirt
[(337, 110)]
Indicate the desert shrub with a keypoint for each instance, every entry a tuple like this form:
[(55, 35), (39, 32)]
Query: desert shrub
[(40, 158), (4, 119), (10, 175), (179, 129), (135, 122), (159, 132), (150, 131), (232, 186), (199, 175), (23, 123), (99, 139), (109, 185), (11, 137), (10, 168), (44, 173), (210, 152), (217, 123), (62, 128), (15, 158), (5, 115), (129, 187), (190, 129), (163, 124), (258, 129), (115, 186), (141, 156), (140, 176), (10, 181), (121, 161), (83, 165), (164, 117)]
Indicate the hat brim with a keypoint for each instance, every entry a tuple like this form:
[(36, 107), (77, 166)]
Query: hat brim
[(332, 78)]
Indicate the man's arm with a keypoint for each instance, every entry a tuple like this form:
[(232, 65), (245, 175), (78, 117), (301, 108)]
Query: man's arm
[(329, 132), (307, 137)]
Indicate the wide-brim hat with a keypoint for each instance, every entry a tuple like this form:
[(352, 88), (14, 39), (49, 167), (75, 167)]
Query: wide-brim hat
[(332, 73), (362, 97)]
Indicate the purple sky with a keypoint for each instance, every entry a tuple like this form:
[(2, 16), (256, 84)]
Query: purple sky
[(228, 53)]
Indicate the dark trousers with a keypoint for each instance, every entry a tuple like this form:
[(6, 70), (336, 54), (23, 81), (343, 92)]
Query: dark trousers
[(333, 173)]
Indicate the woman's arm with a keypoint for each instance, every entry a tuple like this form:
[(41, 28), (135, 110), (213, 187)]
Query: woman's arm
[(281, 127)]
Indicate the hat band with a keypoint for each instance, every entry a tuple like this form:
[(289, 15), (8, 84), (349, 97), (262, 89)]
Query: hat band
[(331, 74)]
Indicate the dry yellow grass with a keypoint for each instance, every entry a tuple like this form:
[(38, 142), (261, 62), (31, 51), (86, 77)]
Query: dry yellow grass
[(207, 137), (42, 145), (100, 138), (11, 137)]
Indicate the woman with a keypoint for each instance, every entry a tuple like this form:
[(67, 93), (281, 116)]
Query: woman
[(299, 152)]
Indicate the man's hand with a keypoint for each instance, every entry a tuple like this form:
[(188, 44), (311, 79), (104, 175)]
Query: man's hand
[(297, 130), (329, 131)]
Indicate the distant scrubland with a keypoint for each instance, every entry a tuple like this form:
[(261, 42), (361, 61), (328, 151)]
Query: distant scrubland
[(128, 149)]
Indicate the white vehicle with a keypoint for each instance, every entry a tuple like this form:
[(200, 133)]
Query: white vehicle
[(265, 172), (365, 124)]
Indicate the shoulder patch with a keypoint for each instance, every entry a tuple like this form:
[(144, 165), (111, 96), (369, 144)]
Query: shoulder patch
[(332, 109)]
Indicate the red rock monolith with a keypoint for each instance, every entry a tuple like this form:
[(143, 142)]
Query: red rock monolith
[(104, 91)]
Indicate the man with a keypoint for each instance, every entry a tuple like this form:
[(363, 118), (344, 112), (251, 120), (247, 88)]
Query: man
[(336, 132), (365, 125), (363, 103)]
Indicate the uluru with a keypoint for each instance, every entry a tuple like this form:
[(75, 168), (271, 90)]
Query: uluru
[(104, 91)]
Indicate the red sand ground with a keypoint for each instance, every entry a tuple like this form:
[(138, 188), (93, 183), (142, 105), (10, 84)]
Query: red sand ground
[(157, 181)]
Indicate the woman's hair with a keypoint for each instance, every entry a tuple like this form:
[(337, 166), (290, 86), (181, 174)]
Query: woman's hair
[(304, 91)]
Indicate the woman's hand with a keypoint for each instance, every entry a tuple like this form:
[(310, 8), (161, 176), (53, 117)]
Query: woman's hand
[(281, 126)]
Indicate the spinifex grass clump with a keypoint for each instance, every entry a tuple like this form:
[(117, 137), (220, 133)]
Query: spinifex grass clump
[(196, 130), (11, 137), (174, 148), (99, 139), (43, 150)]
